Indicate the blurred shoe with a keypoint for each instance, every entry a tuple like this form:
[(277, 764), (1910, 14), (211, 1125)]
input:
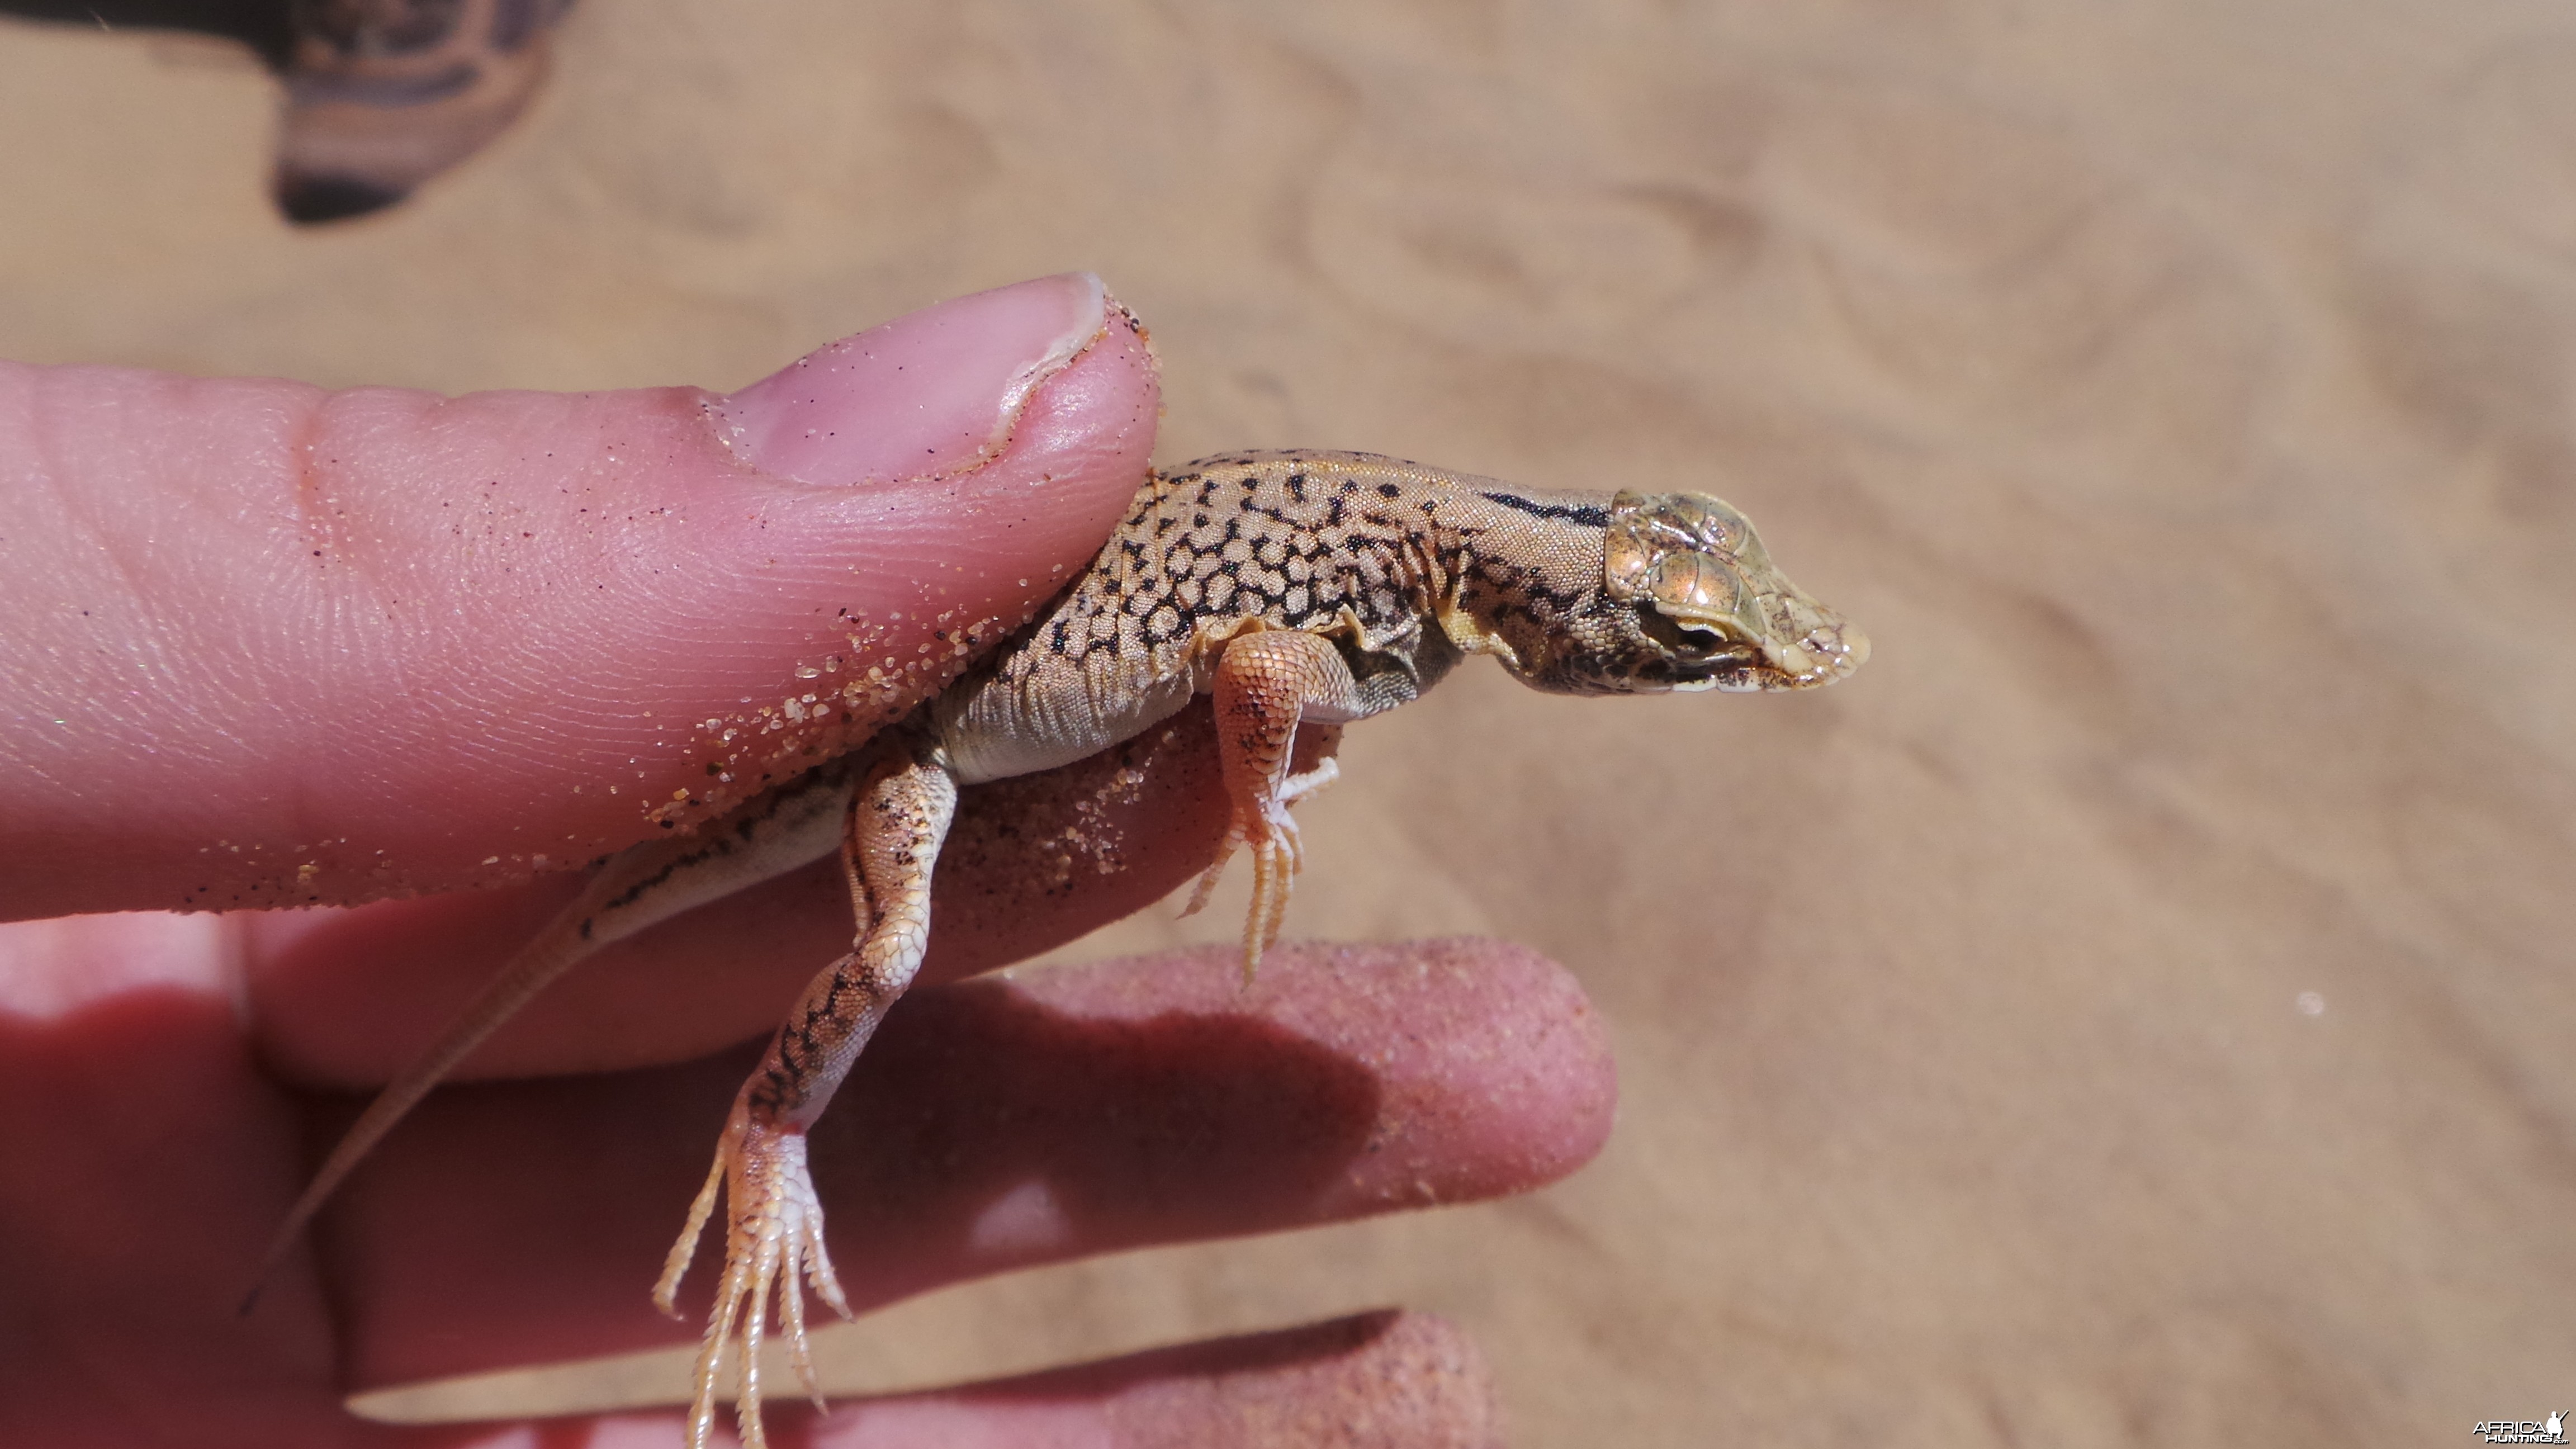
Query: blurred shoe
[(381, 95)]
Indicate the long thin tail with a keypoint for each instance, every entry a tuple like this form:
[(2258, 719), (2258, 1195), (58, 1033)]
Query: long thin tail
[(557, 949), (788, 827)]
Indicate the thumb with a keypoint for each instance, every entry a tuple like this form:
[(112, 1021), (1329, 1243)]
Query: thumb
[(271, 645)]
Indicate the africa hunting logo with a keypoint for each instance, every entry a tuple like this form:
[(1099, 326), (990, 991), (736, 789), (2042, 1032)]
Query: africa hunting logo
[(2507, 1431)]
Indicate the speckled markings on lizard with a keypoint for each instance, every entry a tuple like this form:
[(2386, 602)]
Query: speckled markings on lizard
[(1293, 587)]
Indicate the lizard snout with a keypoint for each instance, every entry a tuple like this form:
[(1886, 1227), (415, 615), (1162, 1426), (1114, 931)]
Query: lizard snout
[(1807, 644), (1827, 653)]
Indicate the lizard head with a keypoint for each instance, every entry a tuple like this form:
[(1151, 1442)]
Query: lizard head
[(1689, 600)]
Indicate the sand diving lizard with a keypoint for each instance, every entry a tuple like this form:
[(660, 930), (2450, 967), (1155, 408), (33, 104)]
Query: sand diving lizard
[(1292, 587)]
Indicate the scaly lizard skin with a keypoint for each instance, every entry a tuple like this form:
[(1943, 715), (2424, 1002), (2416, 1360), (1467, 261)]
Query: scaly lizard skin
[(1294, 587)]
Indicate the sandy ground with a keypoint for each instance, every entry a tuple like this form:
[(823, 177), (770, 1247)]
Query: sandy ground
[(2133, 1011)]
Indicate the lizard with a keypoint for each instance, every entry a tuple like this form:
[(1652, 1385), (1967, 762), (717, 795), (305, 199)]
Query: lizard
[(1293, 587)]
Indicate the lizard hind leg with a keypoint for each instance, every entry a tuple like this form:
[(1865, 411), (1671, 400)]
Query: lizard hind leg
[(1265, 683), (638, 888), (773, 1234)]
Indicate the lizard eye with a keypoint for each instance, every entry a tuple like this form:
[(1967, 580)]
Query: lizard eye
[(1692, 641)]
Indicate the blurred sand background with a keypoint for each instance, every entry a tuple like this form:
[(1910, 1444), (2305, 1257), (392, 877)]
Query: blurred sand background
[(2135, 1010)]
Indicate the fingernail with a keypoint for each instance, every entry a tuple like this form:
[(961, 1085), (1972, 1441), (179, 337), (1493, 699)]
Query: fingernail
[(928, 394)]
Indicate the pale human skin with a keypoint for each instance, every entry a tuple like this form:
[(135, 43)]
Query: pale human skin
[(269, 646)]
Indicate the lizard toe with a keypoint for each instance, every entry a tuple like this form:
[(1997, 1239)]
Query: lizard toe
[(1208, 878), (773, 1246)]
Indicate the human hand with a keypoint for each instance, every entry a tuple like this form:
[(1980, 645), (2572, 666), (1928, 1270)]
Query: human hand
[(274, 646)]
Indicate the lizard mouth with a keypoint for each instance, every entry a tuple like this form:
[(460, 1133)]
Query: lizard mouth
[(1806, 645)]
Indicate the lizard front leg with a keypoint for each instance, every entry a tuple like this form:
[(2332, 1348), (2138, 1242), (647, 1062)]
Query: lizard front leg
[(898, 818), (1266, 681)]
